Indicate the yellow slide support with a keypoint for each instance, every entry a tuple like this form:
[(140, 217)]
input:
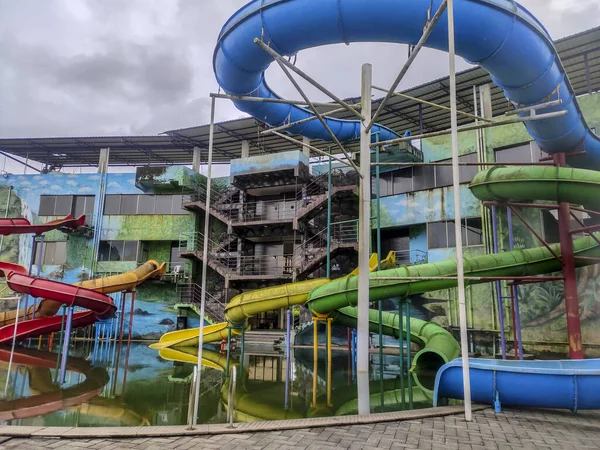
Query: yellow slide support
[(107, 285), (243, 306)]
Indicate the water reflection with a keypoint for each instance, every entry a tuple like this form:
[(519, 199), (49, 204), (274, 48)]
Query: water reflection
[(135, 386)]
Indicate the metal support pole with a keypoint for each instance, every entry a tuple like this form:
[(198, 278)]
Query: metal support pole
[(228, 350), (211, 140), (514, 288), (130, 331), (570, 275), (401, 335), (315, 338), (329, 186), (378, 239), (329, 320), (12, 350), (408, 341), (499, 287), (65, 351), (122, 315), (288, 356), (364, 240), (464, 344)]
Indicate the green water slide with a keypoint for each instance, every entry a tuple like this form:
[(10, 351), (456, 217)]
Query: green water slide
[(577, 186)]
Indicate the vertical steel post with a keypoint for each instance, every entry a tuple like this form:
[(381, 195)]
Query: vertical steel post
[(65, 350), (228, 350), (122, 315), (499, 286), (378, 238), (211, 140), (464, 344), (315, 338), (329, 366), (288, 356), (242, 350), (515, 290), (364, 241), (130, 331), (408, 341), (329, 187), (12, 350), (569, 273), (401, 335)]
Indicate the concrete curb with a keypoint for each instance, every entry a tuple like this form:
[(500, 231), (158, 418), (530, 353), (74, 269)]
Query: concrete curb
[(238, 428)]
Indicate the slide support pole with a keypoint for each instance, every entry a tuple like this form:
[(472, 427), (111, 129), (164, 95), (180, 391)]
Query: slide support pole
[(515, 291), (315, 339), (499, 286), (211, 140), (364, 240), (462, 308), (65, 349)]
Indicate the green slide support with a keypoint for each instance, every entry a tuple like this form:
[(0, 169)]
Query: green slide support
[(439, 346)]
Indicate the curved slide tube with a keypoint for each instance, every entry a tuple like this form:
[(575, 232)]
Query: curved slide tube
[(501, 36), (245, 305), (23, 226), (90, 294), (574, 384)]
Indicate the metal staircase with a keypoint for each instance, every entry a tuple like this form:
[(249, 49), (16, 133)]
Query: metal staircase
[(214, 306)]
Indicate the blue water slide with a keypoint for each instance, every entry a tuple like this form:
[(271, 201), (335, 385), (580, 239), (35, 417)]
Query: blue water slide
[(566, 384), (501, 36)]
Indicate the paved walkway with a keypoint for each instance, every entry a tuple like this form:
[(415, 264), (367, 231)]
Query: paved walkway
[(513, 429)]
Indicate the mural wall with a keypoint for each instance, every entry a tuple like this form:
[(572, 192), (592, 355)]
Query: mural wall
[(159, 234)]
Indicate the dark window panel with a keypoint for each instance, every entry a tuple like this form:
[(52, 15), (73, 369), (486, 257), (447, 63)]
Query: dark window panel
[(436, 235), (403, 181), (129, 251), (443, 175), (116, 250), (47, 203), (64, 205), (104, 251), (451, 235), (176, 205), (129, 204), (163, 204), (424, 177), (112, 205), (471, 232), (467, 173), (145, 204), (519, 154)]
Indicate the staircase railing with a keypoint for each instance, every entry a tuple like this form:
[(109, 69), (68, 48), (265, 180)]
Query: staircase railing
[(214, 306)]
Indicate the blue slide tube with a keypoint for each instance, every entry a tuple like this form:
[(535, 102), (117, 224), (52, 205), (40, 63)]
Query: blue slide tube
[(566, 384), (501, 36)]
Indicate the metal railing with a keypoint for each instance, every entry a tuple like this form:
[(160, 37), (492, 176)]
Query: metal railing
[(225, 201), (214, 306), (408, 257), (304, 255)]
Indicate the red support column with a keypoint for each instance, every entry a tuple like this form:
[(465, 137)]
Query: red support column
[(570, 282)]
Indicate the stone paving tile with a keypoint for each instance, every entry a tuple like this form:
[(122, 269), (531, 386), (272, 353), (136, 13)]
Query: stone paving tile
[(513, 429)]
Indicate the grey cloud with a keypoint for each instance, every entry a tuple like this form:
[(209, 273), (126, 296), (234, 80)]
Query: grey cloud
[(143, 66)]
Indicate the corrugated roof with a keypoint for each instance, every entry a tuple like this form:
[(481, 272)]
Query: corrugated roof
[(579, 53)]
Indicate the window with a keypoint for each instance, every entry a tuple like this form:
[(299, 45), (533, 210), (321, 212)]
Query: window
[(443, 235), (112, 205), (518, 154), (63, 205), (53, 253), (419, 178), (143, 205), (118, 251)]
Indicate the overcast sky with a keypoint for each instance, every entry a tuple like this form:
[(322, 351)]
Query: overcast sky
[(128, 67)]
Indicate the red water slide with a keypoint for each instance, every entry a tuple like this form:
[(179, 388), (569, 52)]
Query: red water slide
[(23, 226), (100, 305)]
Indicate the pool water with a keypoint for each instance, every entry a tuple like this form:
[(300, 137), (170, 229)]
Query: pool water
[(120, 385)]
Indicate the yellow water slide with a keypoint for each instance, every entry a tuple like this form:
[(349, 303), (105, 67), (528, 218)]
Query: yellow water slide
[(248, 304), (107, 285)]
